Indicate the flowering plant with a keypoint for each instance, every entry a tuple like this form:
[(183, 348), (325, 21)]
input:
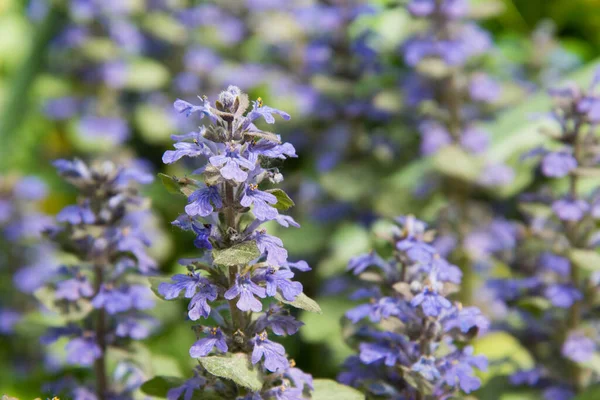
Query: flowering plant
[(414, 345), (99, 295), (242, 264)]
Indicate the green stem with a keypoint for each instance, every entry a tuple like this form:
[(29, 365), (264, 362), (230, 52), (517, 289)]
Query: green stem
[(237, 318), (100, 330)]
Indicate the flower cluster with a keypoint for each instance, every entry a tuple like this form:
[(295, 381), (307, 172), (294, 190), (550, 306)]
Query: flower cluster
[(25, 264), (413, 343), (444, 56), (101, 294), (242, 263), (556, 261)]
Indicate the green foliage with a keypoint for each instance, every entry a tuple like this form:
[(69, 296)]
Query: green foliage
[(591, 393), (326, 389), (458, 164), (160, 385), (588, 260), (499, 388), (146, 75), (184, 186), (236, 367), (283, 200), (239, 254), (504, 352), (303, 302), (71, 311)]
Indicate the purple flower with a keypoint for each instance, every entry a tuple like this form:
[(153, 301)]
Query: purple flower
[(135, 328), (192, 149), (189, 283), (383, 308), (554, 263), (214, 338), (269, 149), (417, 251), (461, 374), (30, 188), (187, 389), (261, 200), (466, 319), (113, 129), (285, 392), (273, 353), (272, 246), (373, 352), (280, 322), (475, 140), (578, 347), (562, 295), (425, 367), (141, 297), (359, 264), (75, 215), (483, 88), (431, 302), (198, 306), (558, 393), (231, 164), (433, 137), (8, 319), (260, 110), (497, 175), (73, 289), (558, 165), (526, 377), (187, 108), (82, 351), (203, 200), (112, 300), (281, 279), (568, 209), (245, 288), (202, 236)]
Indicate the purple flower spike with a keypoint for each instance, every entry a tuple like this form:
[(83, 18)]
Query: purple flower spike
[(279, 321), (214, 338), (273, 353), (245, 288), (281, 279), (426, 368), (562, 295)]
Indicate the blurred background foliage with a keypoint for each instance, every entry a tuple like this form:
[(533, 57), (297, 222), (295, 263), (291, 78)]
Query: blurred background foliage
[(541, 40)]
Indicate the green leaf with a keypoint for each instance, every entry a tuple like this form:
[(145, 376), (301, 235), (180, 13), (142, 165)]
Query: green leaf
[(303, 302), (160, 385), (236, 367), (591, 393), (534, 305), (326, 389), (457, 163), (504, 352), (586, 259), (239, 254), (283, 200), (184, 186), (70, 311)]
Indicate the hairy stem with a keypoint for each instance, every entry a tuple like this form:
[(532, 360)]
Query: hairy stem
[(237, 318), (100, 330)]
